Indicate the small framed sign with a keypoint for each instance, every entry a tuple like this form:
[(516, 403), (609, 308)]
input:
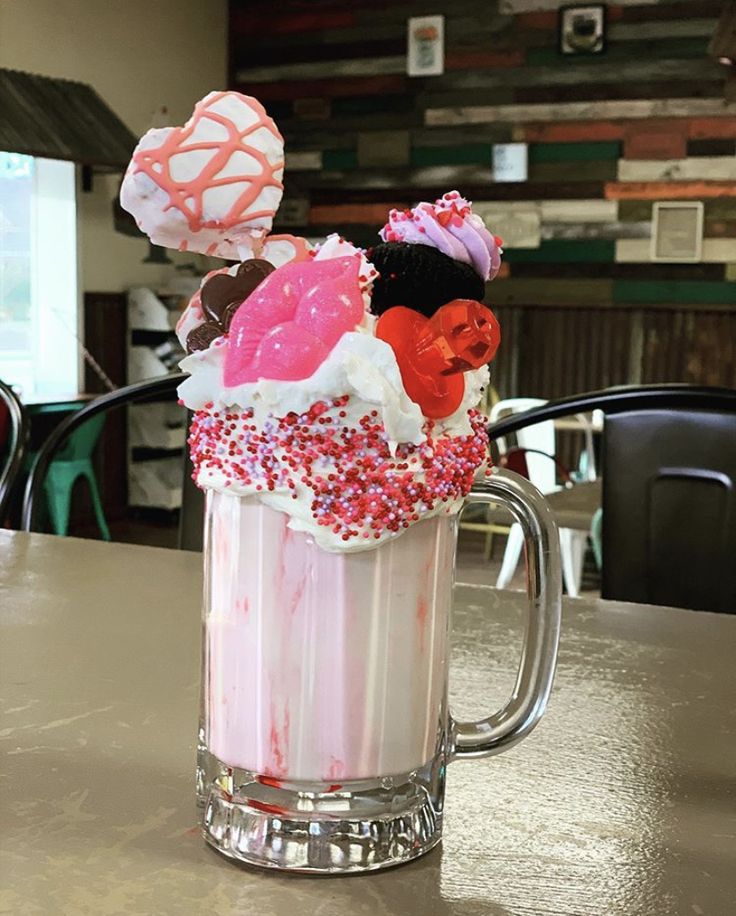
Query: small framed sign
[(582, 29), (510, 162), (677, 230), (426, 46)]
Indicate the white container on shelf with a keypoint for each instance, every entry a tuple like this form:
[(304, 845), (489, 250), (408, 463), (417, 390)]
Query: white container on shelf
[(156, 483)]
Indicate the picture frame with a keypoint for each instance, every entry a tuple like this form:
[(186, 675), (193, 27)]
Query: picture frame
[(677, 231), (581, 29), (425, 50)]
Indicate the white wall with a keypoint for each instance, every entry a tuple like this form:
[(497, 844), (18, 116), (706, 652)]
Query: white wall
[(139, 55)]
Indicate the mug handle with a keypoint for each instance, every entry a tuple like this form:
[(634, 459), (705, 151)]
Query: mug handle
[(527, 702)]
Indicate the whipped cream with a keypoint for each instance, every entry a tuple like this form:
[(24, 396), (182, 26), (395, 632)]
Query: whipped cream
[(450, 226)]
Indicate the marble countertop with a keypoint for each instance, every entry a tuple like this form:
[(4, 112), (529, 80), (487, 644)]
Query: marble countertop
[(622, 802)]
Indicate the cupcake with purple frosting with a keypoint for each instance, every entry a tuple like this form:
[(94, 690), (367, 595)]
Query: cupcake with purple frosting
[(432, 254)]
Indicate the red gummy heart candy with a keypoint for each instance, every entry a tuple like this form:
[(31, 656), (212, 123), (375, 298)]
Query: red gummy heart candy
[(433, 353)]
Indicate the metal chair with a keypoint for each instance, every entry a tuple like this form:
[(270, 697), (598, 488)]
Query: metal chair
[(140, 391), (14, 439), (669, 491)]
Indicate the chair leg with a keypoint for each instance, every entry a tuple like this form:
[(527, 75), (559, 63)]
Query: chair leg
[(510, 556), (97, 505), (572, 549), (58, 502), (488, 547), (596, 539)]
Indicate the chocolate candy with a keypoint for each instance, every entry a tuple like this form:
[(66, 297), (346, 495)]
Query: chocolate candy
[(221, 297), (420, 278), (222, 291)]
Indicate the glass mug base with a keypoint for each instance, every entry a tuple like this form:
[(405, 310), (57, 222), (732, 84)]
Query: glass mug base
[(358, 825)]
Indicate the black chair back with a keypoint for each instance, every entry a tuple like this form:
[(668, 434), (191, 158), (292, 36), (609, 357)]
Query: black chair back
[(669, 517), (140, 391), (14, 448), (669, 491)]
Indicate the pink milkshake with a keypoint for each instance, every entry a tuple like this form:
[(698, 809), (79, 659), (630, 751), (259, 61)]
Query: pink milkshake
[(322, 666), (336, 434)]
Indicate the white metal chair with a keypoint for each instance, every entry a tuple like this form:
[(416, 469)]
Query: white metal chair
[(543, 474)]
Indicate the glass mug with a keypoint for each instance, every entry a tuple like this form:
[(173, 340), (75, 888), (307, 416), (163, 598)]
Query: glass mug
[(325, 730)]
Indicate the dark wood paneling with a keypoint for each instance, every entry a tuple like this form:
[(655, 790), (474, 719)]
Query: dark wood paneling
[(105, 335)]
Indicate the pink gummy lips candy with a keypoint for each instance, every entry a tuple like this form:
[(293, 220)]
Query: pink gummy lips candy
[(287, 327)]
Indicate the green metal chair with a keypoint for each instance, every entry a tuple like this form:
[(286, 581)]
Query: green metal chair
[(74, 460)]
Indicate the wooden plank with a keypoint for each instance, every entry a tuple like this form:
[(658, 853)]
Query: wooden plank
[(680, 10), (576, 111), (573, 171), (303, 133), (481, 59), (643, 68), (675, 48), (372, 214), (584, 230), (312, 109), (574, 152), (554, 251), (720, 229), (715, 208), (340, 159), (517, 228), (602, 91), (293, 212), (549, 292), (712, 128), (710, 168), (468, 154), (619, 271), (369, 104), (655, 140), (579, 190), (720, 251), (711, 147), (665, 190), (375, 66), (332, 88), (460, 136), (263, 54), (383, 180), (535, 6), (697, 292), (251, 21), (561, 211), (297, 161), (686, 27), (383, 148)]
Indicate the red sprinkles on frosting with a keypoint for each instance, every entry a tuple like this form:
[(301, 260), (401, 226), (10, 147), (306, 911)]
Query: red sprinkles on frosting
[(358, 488)]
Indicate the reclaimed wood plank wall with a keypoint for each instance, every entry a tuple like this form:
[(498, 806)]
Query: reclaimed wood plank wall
[(580, 302)]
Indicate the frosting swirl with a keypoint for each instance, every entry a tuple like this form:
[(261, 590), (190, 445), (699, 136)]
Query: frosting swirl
[(450, 226)]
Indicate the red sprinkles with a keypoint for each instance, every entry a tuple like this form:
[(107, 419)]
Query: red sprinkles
[(358, 489)]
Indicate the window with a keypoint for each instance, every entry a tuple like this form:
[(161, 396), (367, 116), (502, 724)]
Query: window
[(38, 276)]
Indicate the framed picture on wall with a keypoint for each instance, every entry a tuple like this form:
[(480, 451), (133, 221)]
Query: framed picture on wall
[(582, 28), (677, 230), (426, 46)]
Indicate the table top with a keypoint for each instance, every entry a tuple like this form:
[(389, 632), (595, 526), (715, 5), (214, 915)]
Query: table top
[(622, 802)]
